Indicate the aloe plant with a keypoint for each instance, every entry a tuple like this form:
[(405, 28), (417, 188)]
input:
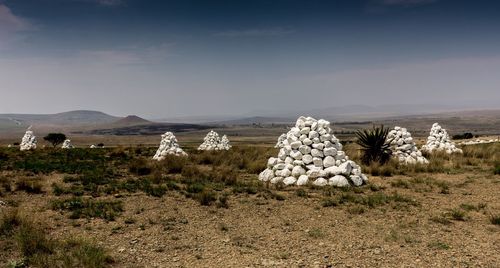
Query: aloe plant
[(374, 144)]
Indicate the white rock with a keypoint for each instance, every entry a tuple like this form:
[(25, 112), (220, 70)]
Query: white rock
[(330, 151), (328, 162), (356, 180), (338, 181), (320, 182), (295, 145), (307, 141), (289, 180), (266, 175), (276, 180), (297, 171), (307, 159), (345, 168), (318, 162), (334, 170), (304, 149), (271, 162), (303, 179)]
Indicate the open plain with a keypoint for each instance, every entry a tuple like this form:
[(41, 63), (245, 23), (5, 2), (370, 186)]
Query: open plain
[(116, 207)]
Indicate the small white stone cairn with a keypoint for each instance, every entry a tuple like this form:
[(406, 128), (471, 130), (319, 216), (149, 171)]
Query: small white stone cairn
[(478, 141), (404, 148), (212, 141), (67, 145), (311, 152), (224, 143), (29, 141), (439, 140), (168, 146)]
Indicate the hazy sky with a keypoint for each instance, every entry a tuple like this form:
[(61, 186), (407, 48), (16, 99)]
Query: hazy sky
[(176, 58)]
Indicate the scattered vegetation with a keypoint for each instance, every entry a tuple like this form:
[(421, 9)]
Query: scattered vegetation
[(438, 245), (38, 249), (89, 208)]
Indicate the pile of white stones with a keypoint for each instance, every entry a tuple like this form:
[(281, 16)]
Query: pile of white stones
[(67, 144), (212, 141), (478, 141), (439, 140), (29, 141), (168, 146), (311, 151), (281, 138), (404, 148), (224, 143)]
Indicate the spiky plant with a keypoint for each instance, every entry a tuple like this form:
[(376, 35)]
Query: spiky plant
[(374, 144)]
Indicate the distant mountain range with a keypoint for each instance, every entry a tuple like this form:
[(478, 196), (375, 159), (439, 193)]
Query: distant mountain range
[(99, 123), (90, 123), (80, 117)]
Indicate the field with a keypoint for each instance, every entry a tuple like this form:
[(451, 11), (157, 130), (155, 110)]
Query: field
[(114, 207)]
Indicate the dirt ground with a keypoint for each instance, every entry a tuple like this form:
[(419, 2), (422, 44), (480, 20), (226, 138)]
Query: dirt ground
[(255, 231)]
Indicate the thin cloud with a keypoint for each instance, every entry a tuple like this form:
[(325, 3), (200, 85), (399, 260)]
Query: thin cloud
[(109, 3), (11, 25), (406, 2), (255, 32)]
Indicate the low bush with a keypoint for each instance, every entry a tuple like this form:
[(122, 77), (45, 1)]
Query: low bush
[(88, 208)]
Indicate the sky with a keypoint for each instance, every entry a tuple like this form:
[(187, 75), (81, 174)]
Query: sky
[(162, 58)]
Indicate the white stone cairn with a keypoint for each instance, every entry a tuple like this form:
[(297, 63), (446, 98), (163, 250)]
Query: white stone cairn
[(403, 147), (212, 141), (439, 140), (168, 146), (478, 141), (67, 144), (224, 143), (281, 138), (312, 154), (29, 141)]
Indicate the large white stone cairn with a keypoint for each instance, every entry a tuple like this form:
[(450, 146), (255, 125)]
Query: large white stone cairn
[(312, 154), (67, 144), (404, 148), (168, 146), (29, 141), (212, 141), (439, 140)]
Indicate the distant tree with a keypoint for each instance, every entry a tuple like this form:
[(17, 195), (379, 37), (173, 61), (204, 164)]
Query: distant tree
[(374, 143), (100, 145), (466, 135), (55, 138)]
